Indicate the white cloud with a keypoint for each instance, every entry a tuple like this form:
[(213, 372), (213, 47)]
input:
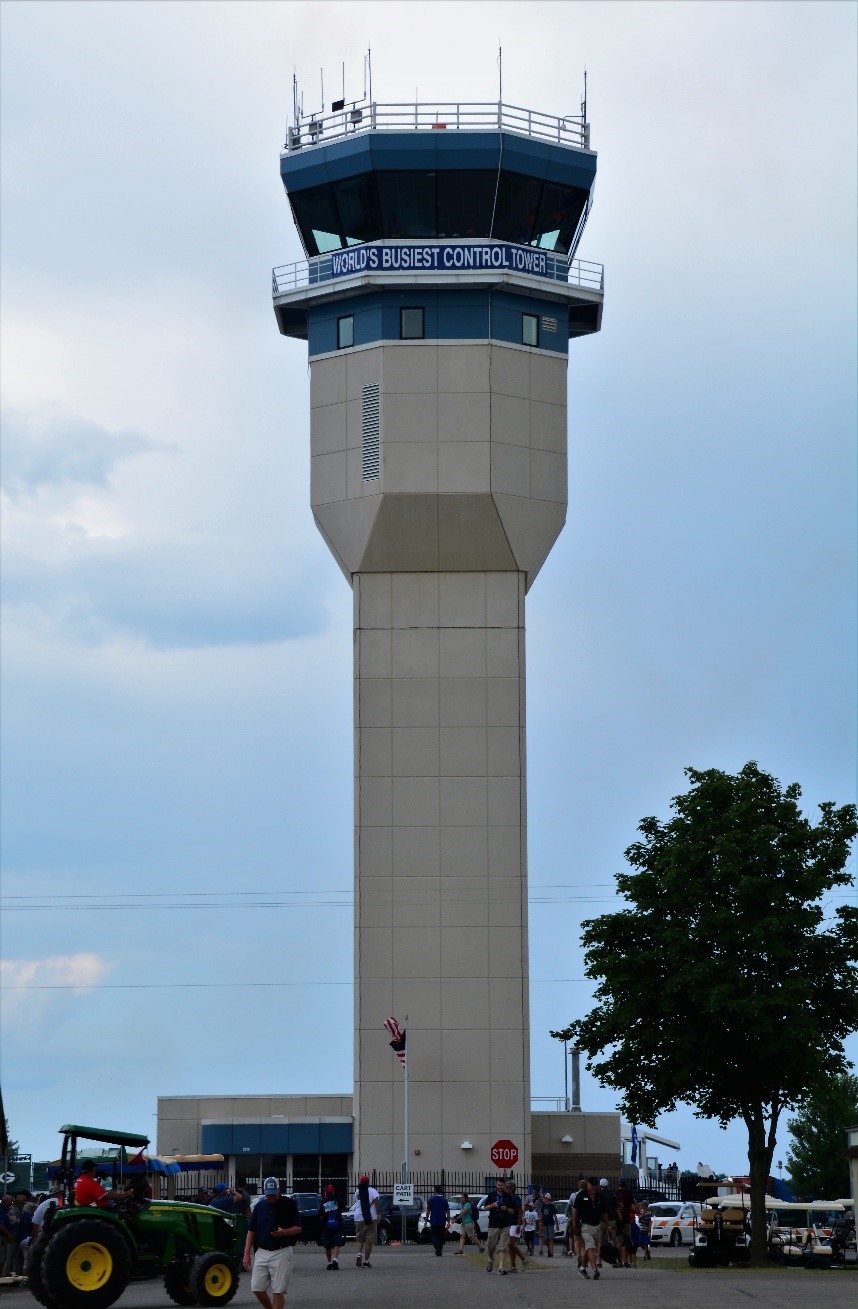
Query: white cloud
[(27, 985)]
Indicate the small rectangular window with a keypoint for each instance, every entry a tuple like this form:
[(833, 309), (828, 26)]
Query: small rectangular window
[(345, 332), (529, 329), (411, 324)]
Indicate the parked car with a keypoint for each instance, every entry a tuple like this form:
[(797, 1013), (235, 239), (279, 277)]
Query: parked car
[(390, 1223), (673, 1222), (454, 1231), (560, 1222)]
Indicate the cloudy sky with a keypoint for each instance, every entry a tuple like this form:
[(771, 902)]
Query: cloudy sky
[(176, 670)]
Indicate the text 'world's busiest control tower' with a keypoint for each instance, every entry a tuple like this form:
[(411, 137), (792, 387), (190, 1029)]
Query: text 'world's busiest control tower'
[(438, 300)]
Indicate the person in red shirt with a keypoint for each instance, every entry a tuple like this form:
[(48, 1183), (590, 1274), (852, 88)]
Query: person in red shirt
[(88, 1190)]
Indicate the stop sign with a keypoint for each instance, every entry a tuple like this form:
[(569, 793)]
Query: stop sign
[(504, 1154)]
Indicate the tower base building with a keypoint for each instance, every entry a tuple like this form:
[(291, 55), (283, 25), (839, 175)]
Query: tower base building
[(438, 301)]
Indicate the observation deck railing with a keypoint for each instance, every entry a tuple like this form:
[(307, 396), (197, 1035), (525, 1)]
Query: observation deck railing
[(570, 130), (319, 270)]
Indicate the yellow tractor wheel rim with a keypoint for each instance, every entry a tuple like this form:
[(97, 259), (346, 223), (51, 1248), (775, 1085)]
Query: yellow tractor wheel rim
[(89, 1266), (218, 1279)]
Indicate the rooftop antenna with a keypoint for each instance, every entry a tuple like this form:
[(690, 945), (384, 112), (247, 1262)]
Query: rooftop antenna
[(584, 101), (322, 79), (369, 66), (500, 74)]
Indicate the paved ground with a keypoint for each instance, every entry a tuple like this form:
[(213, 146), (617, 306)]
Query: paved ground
[(412, 1278)]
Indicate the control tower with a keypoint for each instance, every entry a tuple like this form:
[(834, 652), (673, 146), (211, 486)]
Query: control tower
[(438, 300)]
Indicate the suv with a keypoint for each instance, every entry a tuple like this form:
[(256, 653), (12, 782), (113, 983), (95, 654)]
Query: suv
[(390, 1223), (85, 1255), (308, 1203)]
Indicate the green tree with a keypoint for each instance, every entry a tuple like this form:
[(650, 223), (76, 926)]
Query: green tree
[(723, 984), (818, 1168)]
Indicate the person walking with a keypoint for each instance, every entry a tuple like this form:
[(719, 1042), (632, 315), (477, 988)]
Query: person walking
[(587, 1210), (273, 1230), (514, 1249), (331, 1228), (468, 1225), (366, 1211), (438, 1209), (10, 1219), (549, 1222), (500, 1217), (645, 1227), (531, 1219), (626, 1214)]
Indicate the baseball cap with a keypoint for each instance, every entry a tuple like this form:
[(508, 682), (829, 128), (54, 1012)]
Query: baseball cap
[(603, 1181), (271, 1186), (220, 1188), (363, 1178)]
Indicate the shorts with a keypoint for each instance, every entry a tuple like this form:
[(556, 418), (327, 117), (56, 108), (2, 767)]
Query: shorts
[(332, 1237), (272, 1271), (366, 1233), (589, 1236)]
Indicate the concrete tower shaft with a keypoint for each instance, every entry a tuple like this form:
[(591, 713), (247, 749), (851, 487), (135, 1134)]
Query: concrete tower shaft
[(438, 305)]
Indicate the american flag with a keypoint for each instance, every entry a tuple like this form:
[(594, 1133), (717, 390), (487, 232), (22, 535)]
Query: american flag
[(397, 1045)]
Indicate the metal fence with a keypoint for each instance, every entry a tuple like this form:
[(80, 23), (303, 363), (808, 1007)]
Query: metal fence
[(491, 116), (560, 1184)]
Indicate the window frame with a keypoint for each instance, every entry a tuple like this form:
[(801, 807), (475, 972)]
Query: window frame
[(534, 319), (341, 320), (412, 309)]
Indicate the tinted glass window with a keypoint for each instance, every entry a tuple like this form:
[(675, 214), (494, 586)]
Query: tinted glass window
[(317, 218), (517, 208), (357, 205), (529, 329), (465, 201), (407, 203), (345, 332), (411, 324), (559, 210)]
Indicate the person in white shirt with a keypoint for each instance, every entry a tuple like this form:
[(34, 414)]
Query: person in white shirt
[(367, 1211)]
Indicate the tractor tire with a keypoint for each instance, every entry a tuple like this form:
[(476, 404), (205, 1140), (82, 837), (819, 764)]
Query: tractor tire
[(86, 1265), (214, 1278), (177, 1284), (33, 1271)]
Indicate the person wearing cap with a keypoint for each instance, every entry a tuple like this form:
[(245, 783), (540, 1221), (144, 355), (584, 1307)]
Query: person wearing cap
[(549, 1221), (227, 1199), (609, 1232), (331, 1228), (87, 1189), (587, 1214), (273, 1230), (366, 1212)]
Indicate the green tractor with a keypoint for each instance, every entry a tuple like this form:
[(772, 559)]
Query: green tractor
[(85, 1256)]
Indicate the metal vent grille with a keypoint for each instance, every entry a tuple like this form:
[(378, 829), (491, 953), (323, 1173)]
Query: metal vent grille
[(370, 430)]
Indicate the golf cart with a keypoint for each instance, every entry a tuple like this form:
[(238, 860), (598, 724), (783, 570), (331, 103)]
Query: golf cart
[(85, 1256)]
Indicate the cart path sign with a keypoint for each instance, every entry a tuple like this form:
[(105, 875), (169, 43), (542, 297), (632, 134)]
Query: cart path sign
[(504, 1154)]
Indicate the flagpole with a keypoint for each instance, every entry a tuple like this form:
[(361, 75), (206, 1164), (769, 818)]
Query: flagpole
[(405, 1128), (405, 1107)]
